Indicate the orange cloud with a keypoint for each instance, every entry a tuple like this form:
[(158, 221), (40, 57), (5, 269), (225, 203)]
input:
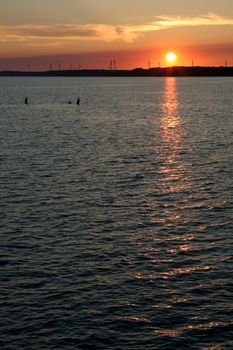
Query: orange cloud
[(39, 34)]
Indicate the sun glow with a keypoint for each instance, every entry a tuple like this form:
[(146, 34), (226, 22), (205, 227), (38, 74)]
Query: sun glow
[(171, 57)]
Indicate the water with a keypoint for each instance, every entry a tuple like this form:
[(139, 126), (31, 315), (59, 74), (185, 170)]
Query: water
[(116, 215)]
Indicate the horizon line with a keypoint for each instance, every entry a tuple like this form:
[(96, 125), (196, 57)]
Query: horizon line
[(176, 71), (115, 70)]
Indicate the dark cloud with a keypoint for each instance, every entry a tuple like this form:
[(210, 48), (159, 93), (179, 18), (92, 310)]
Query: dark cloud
[(56, 31)]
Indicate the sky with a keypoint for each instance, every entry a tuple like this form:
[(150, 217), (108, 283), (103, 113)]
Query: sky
[(35, 35)]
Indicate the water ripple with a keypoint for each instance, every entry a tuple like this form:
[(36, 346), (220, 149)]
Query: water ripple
[(116, 221)]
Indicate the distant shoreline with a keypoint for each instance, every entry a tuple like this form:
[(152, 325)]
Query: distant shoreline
[(137, 72)]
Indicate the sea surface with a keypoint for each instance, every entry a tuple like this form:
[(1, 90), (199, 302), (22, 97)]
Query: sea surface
[(116, 214)]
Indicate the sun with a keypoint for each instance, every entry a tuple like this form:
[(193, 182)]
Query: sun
[(171, 57)]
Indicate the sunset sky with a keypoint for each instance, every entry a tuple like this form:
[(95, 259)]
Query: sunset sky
[(90, 33)]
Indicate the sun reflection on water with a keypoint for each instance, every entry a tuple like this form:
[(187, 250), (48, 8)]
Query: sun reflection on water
[(171, 131), (170, 120), (172, 180), (169, 207)]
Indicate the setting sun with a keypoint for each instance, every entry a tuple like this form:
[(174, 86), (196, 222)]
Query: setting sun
[(171, 57)]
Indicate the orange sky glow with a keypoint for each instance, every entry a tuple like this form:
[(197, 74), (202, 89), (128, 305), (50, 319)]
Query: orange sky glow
[(88, 36)]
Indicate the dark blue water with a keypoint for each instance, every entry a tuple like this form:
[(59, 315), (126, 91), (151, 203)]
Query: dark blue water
[(116, 215)]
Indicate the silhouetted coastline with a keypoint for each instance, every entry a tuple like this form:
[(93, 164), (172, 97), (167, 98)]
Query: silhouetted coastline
[(137, 72)]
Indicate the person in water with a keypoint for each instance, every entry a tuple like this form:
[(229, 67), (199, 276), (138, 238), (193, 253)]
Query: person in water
[(78, 101), (26, 101)]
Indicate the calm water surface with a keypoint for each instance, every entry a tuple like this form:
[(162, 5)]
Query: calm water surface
[(116, 215)]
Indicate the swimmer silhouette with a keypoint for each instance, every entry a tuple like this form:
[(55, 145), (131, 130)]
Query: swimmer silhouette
[(26, 101), (69, 102), (78, 101)]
